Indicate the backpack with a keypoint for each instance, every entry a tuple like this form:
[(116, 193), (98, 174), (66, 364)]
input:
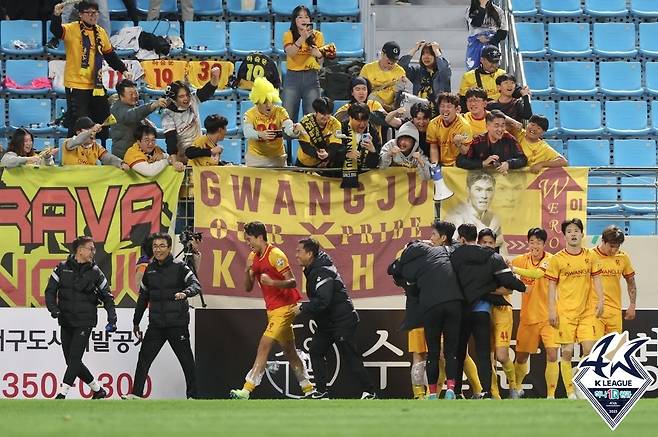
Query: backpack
[(335, 78), (150, 41)]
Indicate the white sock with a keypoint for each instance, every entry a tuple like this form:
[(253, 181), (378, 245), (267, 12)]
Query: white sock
[(94, 385), (64, 389)]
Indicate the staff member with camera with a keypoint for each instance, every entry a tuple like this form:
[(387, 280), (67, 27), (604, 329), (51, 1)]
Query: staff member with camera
[(165, 288)]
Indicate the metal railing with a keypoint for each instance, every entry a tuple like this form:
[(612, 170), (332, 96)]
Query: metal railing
[(512, 60), (369, 19)]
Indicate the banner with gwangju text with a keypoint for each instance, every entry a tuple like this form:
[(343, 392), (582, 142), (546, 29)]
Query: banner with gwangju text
[(513, 203), (44, 209), (362, 229)]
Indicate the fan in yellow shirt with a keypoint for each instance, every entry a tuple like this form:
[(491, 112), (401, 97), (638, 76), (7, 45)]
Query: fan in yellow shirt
[(83, 149), (145, 157), (448, 132), (487, 72), (205, 150), (531, 139), (476, 102), (318, 143), (384, 75), (570, 273), (614, 264)]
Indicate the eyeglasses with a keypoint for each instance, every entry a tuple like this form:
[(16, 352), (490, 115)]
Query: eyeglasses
[(160, 246), (91, 12), (90, 248), (148, 140)]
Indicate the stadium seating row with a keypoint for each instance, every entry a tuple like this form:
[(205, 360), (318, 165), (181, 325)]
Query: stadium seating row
[(201, 38), (573, 8), (573, 39), (615, 78)]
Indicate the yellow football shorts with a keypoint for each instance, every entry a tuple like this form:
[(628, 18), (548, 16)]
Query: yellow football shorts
[(610, 321), (502, 322), (417, 340), (576, 330), (279, 324), (528, 335)]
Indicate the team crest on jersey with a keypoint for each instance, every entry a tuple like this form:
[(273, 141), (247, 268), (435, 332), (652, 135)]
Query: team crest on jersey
[(612, 378), (280, 262)]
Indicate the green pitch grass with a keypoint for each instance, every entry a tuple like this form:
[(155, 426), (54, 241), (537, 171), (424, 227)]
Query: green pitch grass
[(288, 418)]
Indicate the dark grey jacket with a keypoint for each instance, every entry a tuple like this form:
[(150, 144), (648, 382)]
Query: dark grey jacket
[(440, 78), (128, 118)]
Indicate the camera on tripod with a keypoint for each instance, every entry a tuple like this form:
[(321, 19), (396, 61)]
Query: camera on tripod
[(188, 235)]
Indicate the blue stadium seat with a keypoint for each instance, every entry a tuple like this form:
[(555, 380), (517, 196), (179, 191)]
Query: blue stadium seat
[(60, 111), (280, 27), (108, 145), (163, 28), (614, 39), (606, 8), (649, 39), (557, 145), (338, 8), (235, 8), (607, 192), (245, 105), (531, 39), (651, 75), (627, 117), (573, 78), (115, 28), (232, 151), (560, 8), (654, 115), (208, 34), (644, 8), (285, 7), (283, 69), (207, 7), (524, 8), (621, 78), (537, 75), (59, 50), (41, 143), (249, 36), (3, 126), (642, 227), (27, 31), (294, 146), (547, 109), (166, 6), (226, 108), (634, 153), (645, 193), (32, 114), (54, 66), (339, 103), (597, 226), (116, 7), (580, 118), (155, 117), (569, 39), (23, 72), (589, 153), (348, 38)]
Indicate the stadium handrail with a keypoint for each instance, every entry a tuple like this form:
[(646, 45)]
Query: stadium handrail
[(512, 60), (369, 19)]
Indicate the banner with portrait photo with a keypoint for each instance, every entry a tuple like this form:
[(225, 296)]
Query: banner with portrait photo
[(45, 209), (362, 229), (513, 203)]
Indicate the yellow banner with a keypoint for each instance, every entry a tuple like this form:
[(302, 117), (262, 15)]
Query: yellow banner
[(362, 229), (513, 203), (44, 209)]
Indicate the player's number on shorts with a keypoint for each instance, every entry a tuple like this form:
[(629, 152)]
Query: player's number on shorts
[(205, 70), (163, 77), (254, 71), (504, 335)]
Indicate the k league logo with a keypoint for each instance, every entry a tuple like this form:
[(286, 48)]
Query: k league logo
[(612, 378)]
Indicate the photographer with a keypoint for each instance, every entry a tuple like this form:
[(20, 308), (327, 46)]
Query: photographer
[(73, 291), (165, 288)]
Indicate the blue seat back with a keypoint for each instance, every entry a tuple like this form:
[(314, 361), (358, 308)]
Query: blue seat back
[(537, 75), (28, 31), (211, 34), (348, 37), (607, 192), (207, 7), (634, 153), (620, 77), (575, 77), (23, 71), (225, 108), (580, 115), (606, 8), (531, 37), (649, 37), (233, 151), (28, 112), (338, 7), (545, 108), (569, 39), (250, 36), (614, 39), (560, 7), (589, 153), (626, 115)]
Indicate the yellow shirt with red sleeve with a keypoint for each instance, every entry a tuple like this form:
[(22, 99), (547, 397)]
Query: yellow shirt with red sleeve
[(573, 274), (303, 60), (135, 155), (75, 76), (441, 135), (260, 122), (274, 263), (534, 304), (82, 155)]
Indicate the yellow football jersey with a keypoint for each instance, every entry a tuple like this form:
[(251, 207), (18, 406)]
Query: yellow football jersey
[(134, 155), (329, 135), (612, 269), (573, 274), (159, 73), (373, 105), (303, 60), (266, 148), (74, 75), (202, 142), (536, 152), (440, 134), (198, 72), (534, 304), (385, 79), (478, 126), (488, 83), (82, 155)]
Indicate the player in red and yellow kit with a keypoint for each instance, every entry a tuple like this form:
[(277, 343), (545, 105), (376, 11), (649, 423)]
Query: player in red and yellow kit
[(269, 266), (570, 273), (614, 264), (533, 323)]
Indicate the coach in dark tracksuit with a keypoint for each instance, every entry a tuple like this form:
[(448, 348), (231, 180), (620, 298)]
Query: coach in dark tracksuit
[(331, 308), (430, 275), (74, 289), (165, 288), (480, 271)]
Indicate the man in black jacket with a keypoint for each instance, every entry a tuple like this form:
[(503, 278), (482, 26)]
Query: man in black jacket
[(331, 308), (481, 272), (165, 288), (430, 278), (73, 291)]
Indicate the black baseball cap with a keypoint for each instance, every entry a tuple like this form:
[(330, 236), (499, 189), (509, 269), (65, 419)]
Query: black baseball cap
[(392, 50), (491, 54)]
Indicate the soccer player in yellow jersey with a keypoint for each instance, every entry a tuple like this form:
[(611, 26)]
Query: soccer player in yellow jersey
[(533, 323), (614, 263), (447, 132), (206, 150), (570, 273), (476, 102), (531, 139)]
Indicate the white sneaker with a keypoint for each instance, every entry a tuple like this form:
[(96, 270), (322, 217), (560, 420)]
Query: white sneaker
[(573, 396), (366, 395), (550, 397), (130, 397), (580, 394)]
